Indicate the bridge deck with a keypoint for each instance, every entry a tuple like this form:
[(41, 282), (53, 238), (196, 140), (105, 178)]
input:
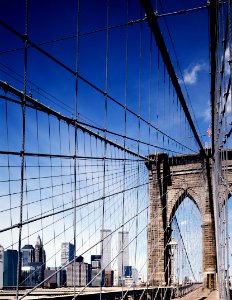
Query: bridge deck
[(200, 294), (114, 293)]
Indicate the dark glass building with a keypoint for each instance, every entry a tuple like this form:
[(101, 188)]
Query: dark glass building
[(10, 268), (98, 279), (28, 255), (33, 264)]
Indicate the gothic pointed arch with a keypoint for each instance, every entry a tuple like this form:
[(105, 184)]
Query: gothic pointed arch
[(179, 197)]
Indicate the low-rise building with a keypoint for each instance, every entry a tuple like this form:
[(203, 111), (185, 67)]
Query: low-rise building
[(50, 283), (77, 272)]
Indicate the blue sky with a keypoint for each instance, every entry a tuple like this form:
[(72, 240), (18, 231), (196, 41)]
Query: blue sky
[(51, 84), (189, 222), (190, 40)]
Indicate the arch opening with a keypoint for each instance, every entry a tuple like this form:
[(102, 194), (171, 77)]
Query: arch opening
[(186, 242)]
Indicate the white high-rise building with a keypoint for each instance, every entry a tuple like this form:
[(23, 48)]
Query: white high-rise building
[(115, 277), (67, 253), (1, 266), (106, 249), (123, 257)]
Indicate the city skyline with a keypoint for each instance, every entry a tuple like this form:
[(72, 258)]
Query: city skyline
[(122, 258), (67, 249), (34, 265), (116, 131)]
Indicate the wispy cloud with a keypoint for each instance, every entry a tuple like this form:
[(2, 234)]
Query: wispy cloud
[(190, 74), (227, 58)]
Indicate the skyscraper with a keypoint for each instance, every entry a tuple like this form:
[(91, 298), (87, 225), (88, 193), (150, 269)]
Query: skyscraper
[(67, 252), (106, 249), (40, 256), (10, 267), (33, 263), (28, 255), (1, 266), (123, 257)]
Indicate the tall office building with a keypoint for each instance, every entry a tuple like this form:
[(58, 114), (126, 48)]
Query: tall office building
[(123, 257), (67, 253), (106, 249), (1, 266), (33, 263), (28, 255), (10, 268), (40, 256)]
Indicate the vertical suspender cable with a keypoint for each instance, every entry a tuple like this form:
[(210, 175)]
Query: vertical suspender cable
[(227, 219), (9, 172), (149, 94), (121, 272), (157, 96), (22, 150), (105, 144), (139, 129), (62, 180), (52, 184), (75, 148)]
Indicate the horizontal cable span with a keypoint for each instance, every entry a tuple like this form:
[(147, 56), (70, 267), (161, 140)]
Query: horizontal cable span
[(20, 153), (60, 185), (84, 80), (69, 208), (64, 175), (71, 121), (131, 22), (103, 129), (81, 125), (154, 26)]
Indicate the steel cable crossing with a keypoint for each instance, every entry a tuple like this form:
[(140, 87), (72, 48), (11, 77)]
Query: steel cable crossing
[(220, 55), (92, 181)]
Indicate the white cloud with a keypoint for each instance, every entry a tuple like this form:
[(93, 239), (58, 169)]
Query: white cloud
[(190, 74), (227, 58)]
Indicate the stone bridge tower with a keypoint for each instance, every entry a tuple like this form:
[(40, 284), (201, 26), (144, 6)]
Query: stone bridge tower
[(172, 179)]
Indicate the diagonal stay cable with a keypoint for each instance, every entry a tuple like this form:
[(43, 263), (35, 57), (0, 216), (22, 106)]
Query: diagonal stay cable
[(83, 79), (68, 120), (67, 209), (84, 124), (153, 23), (178, 227), (131, 22)]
